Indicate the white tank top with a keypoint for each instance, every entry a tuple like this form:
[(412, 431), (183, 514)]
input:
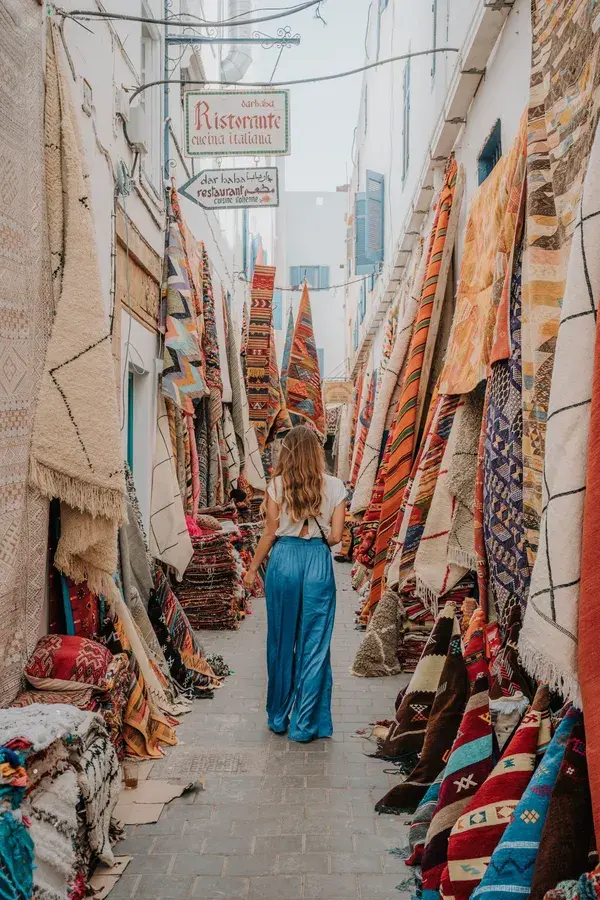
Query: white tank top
[(334, 493)]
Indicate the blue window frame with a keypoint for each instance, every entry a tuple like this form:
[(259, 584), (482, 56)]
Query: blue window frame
[(321, 357), (316, 276), (369, 225), (130, 417), (277, 310), (355, 335), (491, 153), (406, 120)]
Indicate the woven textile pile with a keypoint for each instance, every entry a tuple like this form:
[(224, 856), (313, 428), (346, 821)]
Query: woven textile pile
[(211, 592), (61, 771)]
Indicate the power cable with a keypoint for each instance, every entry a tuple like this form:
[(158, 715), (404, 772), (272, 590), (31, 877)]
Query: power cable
[(316, 80), (298, 288), (193, 22)]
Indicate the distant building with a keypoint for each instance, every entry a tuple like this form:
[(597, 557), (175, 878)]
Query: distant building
[(311, 244)]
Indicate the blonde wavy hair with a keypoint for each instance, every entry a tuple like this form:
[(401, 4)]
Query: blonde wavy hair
[(301, 466)]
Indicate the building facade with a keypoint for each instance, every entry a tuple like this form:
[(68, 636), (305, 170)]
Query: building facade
[(468, 98)]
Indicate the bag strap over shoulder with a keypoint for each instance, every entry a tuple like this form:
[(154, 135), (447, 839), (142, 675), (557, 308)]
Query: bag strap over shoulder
[(324, 539)]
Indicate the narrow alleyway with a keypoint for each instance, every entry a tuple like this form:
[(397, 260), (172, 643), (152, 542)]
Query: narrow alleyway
[(277, 820)]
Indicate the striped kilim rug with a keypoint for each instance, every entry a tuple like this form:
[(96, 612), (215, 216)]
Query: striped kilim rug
[(304, 394), (403, 442), (258, 352)]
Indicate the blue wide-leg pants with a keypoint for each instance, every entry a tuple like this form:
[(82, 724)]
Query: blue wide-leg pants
[(300, 594)]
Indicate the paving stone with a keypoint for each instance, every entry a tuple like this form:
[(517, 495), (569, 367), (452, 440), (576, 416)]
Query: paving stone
[(329, 843), (198, 864), (168, 887), (381, 887), (303, 864), (224, 888), (149, 865), (279, 844), (229, 846), (246, 866), (331, 887), (276, 887), (358, 863)]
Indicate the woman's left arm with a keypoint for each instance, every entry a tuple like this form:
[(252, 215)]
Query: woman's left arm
[(337, 524), (266, 542)]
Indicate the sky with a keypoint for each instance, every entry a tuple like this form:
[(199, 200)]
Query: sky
[(323, 116)]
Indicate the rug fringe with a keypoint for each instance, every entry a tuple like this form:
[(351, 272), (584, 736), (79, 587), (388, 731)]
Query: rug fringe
[(544, 670), (466, 559), (424, 593), (107, 503)]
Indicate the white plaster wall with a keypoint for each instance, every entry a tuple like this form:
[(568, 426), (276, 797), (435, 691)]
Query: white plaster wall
[(503, 94)]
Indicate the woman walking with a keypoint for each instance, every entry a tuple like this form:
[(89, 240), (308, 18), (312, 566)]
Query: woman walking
[(305, 511)]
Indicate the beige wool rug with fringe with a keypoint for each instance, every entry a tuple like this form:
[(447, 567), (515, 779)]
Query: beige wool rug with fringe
[(76, 449)]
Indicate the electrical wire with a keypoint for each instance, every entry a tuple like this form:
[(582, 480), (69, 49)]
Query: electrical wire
[(193, 22), (316, 80), (297, 288)]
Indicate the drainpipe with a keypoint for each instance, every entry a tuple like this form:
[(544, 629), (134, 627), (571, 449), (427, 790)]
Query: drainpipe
[(237, 62)]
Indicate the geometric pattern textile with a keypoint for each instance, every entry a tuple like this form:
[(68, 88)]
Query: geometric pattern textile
[(442, 728), (304, 390), (402, 442), (569, 829), (563, 112), (469, 765), (258, 353), (470, 761), (478, 830), (548, 645), (407, 733), (184, 376), (26, 313), (62, 662), (511, 868), (503, 525)]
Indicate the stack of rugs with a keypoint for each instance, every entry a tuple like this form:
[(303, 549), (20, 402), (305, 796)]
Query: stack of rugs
[(499, 791), (415, 633), (212, 592), (59, 784), (68, 669)]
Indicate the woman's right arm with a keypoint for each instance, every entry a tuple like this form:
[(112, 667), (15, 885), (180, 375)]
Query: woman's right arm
[(337, 524), (266, 542)]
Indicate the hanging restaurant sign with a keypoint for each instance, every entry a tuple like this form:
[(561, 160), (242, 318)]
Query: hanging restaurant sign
[(237, 123), (233, 188), (337, 392)]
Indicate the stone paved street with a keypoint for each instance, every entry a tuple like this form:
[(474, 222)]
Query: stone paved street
[(277, 819)]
